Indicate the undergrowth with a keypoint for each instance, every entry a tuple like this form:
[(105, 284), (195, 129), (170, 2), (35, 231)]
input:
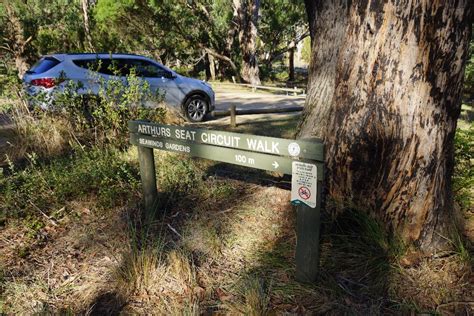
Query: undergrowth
[(218, 246), (463, 179), (104, 174)]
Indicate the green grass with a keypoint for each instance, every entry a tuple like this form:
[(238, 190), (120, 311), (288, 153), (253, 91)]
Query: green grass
[(104, 173)]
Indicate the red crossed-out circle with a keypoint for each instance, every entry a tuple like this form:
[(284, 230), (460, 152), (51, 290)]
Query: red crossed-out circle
[(304, 193)]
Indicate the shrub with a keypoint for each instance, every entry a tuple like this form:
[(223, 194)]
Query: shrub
[(104, 117), (76, 117), (101, 173)]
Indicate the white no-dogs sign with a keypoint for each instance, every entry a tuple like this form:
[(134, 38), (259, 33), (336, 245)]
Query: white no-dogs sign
[(304, 183)]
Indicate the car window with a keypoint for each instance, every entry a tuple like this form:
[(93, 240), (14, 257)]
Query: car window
[(122, 67), (144, 68), (43, 65), (95, 64)]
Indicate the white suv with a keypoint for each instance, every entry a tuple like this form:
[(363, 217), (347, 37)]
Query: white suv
[(194, 97)]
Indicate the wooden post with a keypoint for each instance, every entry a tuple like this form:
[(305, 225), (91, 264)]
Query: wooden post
[(233, 119), (308, 226), (148, 177), (308, 223)]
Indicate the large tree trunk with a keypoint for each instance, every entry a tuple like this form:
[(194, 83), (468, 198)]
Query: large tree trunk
[(384, 94), (291, 63), (212, 66), (17, 42), (247, 19)]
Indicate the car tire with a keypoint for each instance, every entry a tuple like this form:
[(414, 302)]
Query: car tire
[(196, 108)]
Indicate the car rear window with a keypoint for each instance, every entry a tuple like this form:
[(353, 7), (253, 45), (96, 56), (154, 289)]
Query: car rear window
[(43, 65)]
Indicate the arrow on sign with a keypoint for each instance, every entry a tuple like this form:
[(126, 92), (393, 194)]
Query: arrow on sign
[(275, 164)]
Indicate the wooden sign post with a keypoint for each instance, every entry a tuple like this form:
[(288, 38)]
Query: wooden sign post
[(303, 159)]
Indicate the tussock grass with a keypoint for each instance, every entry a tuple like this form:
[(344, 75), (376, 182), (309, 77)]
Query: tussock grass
[(252, 297), (46, 137), (141, 267)]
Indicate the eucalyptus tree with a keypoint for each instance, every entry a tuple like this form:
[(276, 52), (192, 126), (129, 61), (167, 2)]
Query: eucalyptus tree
[(282, 26), (188, 31), (384, 94), (246, 16), (33, 28)]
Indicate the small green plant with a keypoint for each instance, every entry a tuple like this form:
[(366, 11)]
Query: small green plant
[(222, 190), (459, 245), (34, 225), (104, 116)]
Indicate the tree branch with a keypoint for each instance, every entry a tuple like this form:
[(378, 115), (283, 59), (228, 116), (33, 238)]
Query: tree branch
[(292, 45)]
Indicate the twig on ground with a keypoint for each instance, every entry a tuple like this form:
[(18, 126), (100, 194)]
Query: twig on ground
[(47, 217), (174, 230)]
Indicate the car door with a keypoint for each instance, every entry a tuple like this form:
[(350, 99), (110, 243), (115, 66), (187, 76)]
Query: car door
[(160, 80)]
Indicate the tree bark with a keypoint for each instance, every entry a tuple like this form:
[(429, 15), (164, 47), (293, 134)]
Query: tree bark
[(247, 19), (17, 42), (384, 94), (291, 64), (212, 66), (87, 31)]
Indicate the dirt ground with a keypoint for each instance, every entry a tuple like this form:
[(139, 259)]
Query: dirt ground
[(227, 95)]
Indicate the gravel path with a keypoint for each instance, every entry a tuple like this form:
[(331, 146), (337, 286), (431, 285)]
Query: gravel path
[(244, 99)]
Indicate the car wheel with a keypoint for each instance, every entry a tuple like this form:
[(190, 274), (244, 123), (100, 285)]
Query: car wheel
[(196, 108)]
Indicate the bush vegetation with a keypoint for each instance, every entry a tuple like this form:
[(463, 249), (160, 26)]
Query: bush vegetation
[(100, 173), (221, 245)]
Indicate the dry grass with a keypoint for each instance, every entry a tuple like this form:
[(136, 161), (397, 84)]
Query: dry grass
[(45, 136), (225, 245), (66, 268), (253, 297), (435, 283), (231, 258)]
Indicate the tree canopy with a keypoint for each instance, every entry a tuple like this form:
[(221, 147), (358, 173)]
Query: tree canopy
[(182, 34)]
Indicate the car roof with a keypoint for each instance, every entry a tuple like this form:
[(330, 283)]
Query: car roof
[(63, 56)]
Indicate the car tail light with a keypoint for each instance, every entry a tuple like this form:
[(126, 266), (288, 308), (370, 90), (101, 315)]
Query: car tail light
[(44, 82)]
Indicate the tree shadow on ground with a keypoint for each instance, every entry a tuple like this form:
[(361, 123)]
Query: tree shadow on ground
[(353, 276), (355, 253), (253, 176), (109, 303)]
